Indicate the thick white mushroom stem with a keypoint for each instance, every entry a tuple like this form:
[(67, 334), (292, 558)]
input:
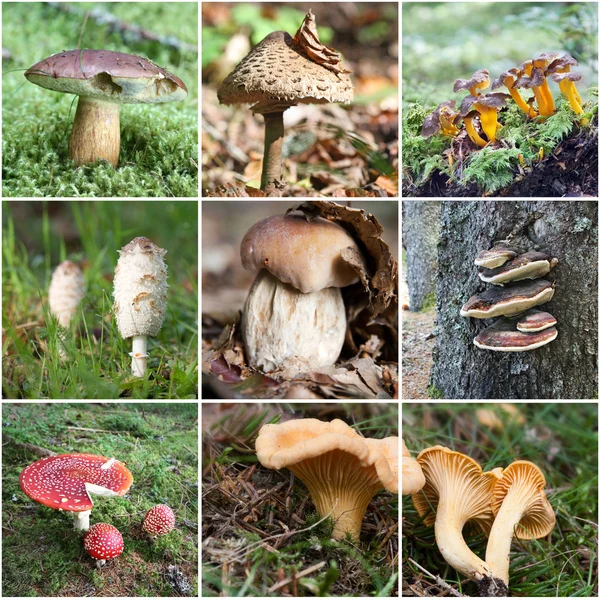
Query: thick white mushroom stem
[(96, 133), (82, 520), (139, 355)]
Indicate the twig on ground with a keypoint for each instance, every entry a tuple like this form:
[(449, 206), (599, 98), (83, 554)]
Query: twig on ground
[(37, 450), (297, 576), (96, 430), (438, 580)]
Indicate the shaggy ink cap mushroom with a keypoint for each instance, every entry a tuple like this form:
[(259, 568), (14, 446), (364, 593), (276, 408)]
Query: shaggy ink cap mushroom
[(504, 336), (103, 542), (65, 482), (159, 520), (535, 320), (508, 300), (456, 491), (412, 474), (521, 509), (495, 257), (341, 469), (507, 79), (530, 265), (103, 80), (442, 120), (478, 81), (280, 72)]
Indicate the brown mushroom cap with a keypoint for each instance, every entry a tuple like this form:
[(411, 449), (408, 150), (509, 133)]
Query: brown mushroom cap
[(480, 78), (564, 62), (303, 253), (339, 467), (493, 100), (501, 79), (535, 320), (508, 300), (108, 76), (432, 124), (535, 80), (503, 336), (495, 257), (412, 474), (558, 77), (530, 265)]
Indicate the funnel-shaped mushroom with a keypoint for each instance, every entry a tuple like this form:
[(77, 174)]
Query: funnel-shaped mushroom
[(65, 482), (507, 79), (458, 491), (412, 474), (441, 120), (521, 508), (566, 83), (341, 469), (534, 79), (478, 81), (280, 72), (487, 107), (563, 64)]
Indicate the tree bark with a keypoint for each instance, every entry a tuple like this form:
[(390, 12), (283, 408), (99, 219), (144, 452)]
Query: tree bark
[(420, 234), (565, 368)]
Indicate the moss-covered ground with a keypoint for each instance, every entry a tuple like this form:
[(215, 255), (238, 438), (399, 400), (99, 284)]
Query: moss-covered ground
[(562, 440), (41, 553), (159, 143)]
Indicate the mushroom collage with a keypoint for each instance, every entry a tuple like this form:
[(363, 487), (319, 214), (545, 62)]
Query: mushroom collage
[(521, 327)]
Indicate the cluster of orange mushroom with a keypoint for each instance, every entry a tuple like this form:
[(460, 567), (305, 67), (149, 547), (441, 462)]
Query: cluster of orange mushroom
[(450, 489), (532, 74)]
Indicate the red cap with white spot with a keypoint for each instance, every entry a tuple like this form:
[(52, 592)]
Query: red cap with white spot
[(159, 520), (103, 541)]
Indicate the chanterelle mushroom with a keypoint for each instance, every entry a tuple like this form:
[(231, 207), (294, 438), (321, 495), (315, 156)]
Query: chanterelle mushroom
[(294, 317), (341, 469), (103, 80), (458, 491), (412, 475), (521, 508), (281, 72)]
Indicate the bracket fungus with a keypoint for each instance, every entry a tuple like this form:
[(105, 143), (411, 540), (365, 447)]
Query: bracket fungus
[(495, 257), (65, 482), (458, 491), (535, 320), (280, 72), (103, 80), (521, 509), (140, 293), (341, 469), (294, 317), (412, 474), (530, 265), (505, 336), (102, 542)]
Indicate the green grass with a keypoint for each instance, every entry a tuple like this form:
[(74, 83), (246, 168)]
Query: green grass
[(36, 238), (42, 554), (562, 440), (159, 143)]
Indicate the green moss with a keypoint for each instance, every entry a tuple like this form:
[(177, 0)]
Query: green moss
[(428, 302), (434, 392)]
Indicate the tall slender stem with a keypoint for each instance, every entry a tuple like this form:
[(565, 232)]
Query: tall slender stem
[(273, 144)]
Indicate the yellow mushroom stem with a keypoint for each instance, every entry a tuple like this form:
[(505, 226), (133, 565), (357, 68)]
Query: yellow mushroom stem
[(473, 135), (489, 120), (448, 128), (567, 87), (526, 108), (548, 99)]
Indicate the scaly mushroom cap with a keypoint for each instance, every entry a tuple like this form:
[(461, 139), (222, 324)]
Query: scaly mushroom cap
[(509, 300), (412, 474), (109, 76), (159, 520), (282, 71), (495, 257), (103, 541), (63, 482), (456, 491), (340, 469), (304, 253), (66, 291), (530, 265), (504, 336), (521, 508), (140, 288), (535, 320)]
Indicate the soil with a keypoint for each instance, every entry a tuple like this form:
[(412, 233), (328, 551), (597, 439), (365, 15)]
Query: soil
[(417, 347)]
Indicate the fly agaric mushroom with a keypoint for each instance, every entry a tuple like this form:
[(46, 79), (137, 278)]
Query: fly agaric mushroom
[(159, 520), (507, 79), (281, 72), (140, 292), (441, 120), (65, 482), (458, 491), (530, 265), (66, 291), (504, 336), (102, 542), (103, 80), (521, 509), (294, 317), (412, 474), (341, 469)]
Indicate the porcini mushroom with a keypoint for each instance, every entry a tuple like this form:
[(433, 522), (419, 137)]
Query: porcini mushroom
[(341, 469), (159, 520), (412, 474), (507, 79), (294, 316), (65, 482), (103, 80), (140, 293), (456, 491), (103, 542), (521, 509), (281, 72)]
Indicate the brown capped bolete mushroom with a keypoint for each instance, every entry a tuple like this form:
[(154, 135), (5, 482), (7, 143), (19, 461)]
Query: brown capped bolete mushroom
[(280, 72), (65, 482), (496, 256), (507, 79), (294, 317), (521, 509), (504, 336), (509, 300), (442, 120), (412, 474), (341, 469), (103, 80), (456, 491), (530, 265)]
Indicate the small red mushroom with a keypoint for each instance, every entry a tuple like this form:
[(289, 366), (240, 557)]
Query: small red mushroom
[(159, 520), (103, 541)]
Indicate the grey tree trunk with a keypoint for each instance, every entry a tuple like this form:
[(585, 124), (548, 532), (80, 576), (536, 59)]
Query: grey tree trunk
[(420, 234), (565, 368)]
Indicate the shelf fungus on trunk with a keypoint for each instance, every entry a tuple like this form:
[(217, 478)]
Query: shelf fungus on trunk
[(140, 292), (505, 336), (495, 257), (530, 265)]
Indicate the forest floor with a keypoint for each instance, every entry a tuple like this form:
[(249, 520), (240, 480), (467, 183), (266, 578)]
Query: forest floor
[(417, 348)]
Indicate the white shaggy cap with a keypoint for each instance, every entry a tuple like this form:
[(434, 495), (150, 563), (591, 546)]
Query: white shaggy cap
[(66, 291), (140, 288)]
